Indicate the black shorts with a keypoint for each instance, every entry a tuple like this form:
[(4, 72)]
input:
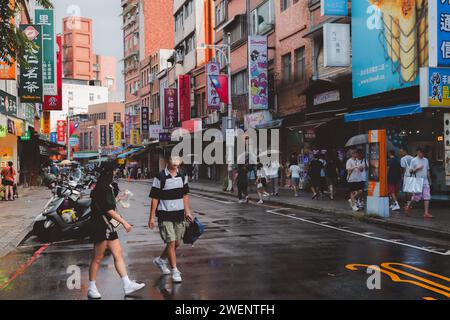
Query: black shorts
[(101, 231), (263, 182), (7, 183), (356, 186)]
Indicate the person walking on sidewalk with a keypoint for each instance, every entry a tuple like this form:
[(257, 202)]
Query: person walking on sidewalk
[(294, 172), (405, 163), (394, 179), (170, 203), (261, 182), (104, 234), (242, 183), (274, 177), (356, 177), (8, 178), (315, 173), (331, 175), (420, 168)]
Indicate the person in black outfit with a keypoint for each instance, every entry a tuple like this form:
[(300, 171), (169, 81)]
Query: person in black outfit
[(103, 231), (315, 168), (331, 174), (242, 183)]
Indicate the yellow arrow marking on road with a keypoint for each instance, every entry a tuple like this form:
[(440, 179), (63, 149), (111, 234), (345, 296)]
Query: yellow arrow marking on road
[(428, 284)]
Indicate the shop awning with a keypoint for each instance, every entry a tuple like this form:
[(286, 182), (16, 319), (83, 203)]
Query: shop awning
[(313, 124), (85, 155), (387, 112), (129, 153)]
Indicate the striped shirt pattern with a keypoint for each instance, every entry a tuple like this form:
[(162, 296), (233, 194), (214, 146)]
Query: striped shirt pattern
[(171, 206)]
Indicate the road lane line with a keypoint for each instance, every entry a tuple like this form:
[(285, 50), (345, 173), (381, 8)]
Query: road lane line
[(23, 268), (365, 235), (212, 199)]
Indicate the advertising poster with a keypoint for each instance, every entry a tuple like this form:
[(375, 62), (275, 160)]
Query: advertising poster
[(31, 79), (435, 87), (395, 34), (6, 154), (54, 102), (46, 19), (184, 93), (170, 108), (8, 71), (258, 80), (212, 69)]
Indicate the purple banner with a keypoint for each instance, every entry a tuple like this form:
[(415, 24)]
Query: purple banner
[(170, 108)]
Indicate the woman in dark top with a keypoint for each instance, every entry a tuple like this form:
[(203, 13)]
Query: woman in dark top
[(315, 168), (104, 233), (331, 174)]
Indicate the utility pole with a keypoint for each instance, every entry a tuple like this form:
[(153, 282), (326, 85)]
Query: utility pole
[(249, 33)]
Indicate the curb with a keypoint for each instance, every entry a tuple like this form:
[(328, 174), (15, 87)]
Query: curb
[(386, 224)]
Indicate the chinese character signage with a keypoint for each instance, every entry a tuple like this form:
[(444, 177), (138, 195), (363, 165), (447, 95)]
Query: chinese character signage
[(31, 85), (8, 104), (45, 18), (389, 45), (338, 8), (127, 125), (144, 120), (212, 69), (439, 33), (8, 71), (336, 45), (155, 130), (61, 130), (117, 134), (434, 87), (53, 137), (54, 102), (46, 123), (258, 80), (111, 134), (170, 108), (184, 88), (103, 138)]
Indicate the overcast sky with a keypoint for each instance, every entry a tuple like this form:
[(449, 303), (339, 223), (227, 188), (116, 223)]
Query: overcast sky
[(107, 25)]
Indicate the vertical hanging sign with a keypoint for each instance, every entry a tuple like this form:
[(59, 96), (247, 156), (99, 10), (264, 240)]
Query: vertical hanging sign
[(258, 76), (54, 102), (103, 139), (170, 108), (31, 85), (184, 94), (212, 69), (144, 120), (46, 19)]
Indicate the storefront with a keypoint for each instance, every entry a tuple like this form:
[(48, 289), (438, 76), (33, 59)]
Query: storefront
[(410, 126)]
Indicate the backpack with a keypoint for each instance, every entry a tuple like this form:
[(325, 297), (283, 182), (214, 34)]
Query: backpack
[(162, 178), (193, 232)]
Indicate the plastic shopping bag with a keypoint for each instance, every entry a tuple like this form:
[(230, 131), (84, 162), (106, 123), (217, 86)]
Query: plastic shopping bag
[(413, 185)]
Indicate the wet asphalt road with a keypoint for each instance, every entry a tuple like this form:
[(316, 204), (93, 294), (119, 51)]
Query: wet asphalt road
[(248, 252)]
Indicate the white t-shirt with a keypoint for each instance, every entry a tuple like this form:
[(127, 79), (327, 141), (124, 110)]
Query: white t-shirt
[(421, 173), (295, 171), (405, 163), (356, 174)]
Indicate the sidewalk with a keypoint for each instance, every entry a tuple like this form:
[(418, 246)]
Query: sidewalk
[(16, 217), (439, 226)]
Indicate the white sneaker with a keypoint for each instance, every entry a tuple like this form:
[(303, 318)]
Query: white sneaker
[(396, 207), (355, 208), (242, 201), (94, 294), (246, 199), (132, 287), (176, 276), (260, 202), (161, 265)]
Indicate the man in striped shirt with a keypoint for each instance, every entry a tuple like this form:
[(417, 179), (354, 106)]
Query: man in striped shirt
[(170, 203)]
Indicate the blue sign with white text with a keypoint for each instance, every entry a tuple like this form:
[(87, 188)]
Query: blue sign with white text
[(334, 8), (443, 34), (53, 137)]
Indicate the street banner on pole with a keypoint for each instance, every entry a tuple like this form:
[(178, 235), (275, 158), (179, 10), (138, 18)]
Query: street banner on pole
[(8, 71), (103, 138), (54, 102), (144, 120), (61, 130), (8, 104), (258, 74), (46, 18), (220, 84), (170, 108), (31, 84), (184, 94), (212, 69), (118, 134)]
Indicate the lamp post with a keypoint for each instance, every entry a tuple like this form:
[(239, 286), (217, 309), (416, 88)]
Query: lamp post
[(225, 51)]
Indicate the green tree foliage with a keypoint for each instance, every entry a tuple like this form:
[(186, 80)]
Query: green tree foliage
[(13, 41)]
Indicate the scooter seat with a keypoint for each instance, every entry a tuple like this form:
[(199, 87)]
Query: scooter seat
[(84, 203)]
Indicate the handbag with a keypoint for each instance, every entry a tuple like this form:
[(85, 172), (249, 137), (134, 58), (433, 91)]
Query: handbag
[(413, 185)]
